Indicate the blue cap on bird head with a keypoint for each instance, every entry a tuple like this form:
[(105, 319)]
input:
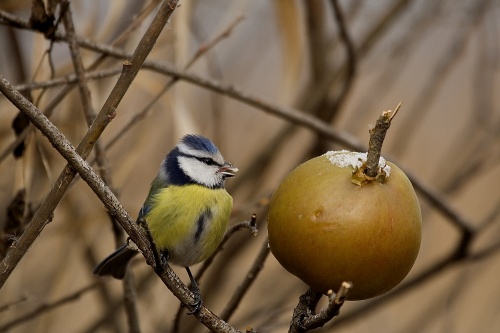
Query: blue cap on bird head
[(199, 142)]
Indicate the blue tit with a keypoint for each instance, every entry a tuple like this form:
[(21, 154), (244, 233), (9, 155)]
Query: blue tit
[(187, 209)]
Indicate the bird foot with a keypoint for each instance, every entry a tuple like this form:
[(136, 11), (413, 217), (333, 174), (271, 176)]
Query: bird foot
[(195, 289), (164, 256), (162, 261), (196, 305)]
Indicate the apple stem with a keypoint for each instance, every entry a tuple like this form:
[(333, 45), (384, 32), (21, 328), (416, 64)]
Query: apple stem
[(377, 136)]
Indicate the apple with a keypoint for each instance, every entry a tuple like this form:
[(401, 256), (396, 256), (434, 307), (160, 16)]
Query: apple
[(327, 224)]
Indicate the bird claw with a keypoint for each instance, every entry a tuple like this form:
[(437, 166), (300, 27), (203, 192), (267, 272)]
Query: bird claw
[(164, 256), (161, 260), (196, 305)]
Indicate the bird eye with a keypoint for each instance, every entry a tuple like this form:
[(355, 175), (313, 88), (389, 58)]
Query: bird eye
[(208, 161)]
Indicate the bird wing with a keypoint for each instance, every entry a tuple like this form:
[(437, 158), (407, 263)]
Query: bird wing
[(156, 185)]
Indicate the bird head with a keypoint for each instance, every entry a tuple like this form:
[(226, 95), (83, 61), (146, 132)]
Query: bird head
[(196, 160)]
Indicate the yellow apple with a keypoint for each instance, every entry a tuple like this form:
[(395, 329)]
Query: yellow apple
[(325, 226)]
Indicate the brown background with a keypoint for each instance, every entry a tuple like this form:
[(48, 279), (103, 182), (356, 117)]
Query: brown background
[(440, 58)]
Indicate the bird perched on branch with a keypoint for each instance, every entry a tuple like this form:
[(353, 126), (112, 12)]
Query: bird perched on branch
[(186, 211)]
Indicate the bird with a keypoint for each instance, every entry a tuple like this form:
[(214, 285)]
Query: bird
[(186, 211)]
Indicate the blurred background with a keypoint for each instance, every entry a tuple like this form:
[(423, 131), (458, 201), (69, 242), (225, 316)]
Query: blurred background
[(343, 62)]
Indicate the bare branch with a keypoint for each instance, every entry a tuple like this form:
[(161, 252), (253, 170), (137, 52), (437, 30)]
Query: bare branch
[(128, 283), (293, 115), (45, 211), (170, 279), (377, 136), (333, 309), (351, 62), (249, 278), (251, 225), (304, 314), (201, 51), (43, 308)]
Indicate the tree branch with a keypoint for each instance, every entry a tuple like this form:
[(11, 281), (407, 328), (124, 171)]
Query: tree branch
[(304, 316), (377, 136), (44, 213), (248, 280), (293, 115), (57, 139), (128, 282), (251, 225), (351, 62), (76, 162)]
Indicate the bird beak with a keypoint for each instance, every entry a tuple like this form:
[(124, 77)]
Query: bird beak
[(228, 170)]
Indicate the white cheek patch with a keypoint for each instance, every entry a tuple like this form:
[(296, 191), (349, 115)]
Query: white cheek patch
[(199, 172)]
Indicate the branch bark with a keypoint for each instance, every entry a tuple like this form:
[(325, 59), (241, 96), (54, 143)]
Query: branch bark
[(304, 317), (45, 212), (57, 139)]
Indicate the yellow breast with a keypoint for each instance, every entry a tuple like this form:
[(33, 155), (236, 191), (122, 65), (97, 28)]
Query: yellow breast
[(189, 221)]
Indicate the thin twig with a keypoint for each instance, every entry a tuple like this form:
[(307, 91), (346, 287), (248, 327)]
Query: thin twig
[(171, 280), (85, 97), (447, 214), (351, 62), (130, 303), (77, 163), (333, 309), (43, 308), (377, 136), (201, 51), (441, 71), (76, 58), (7, 18), (306, 307), (130, 70), (71, 80), (292, 115), (318, 41), (251, 225), (304, 316), (7, 306), (68, 79), (248, 280), (216, 40), (313, 99), (109, 312), (168, 276)]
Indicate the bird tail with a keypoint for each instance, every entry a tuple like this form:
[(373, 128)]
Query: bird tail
[(116, 263)]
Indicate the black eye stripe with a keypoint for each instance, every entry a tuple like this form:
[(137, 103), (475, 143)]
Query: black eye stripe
[(206, 160)]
